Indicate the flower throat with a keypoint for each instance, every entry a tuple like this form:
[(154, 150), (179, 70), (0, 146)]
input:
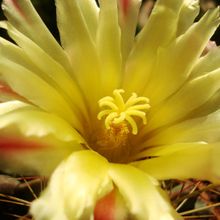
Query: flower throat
[(119, 122)]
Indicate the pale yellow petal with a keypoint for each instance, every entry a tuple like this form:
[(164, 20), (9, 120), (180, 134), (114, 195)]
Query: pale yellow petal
[(7, 94), (206, 128), (39, 62), (188, 13), (158, 32), (22, 12), (128, 17), (207, 63), (9, 106), (176, 61), (14, 53), (199, 162), (142, 194), (90, 11), (74, 188), (195, 93), (109, 46), (164, 150), (213, 104), (37, 91), (31, 121), (80, 47), (33, 140)]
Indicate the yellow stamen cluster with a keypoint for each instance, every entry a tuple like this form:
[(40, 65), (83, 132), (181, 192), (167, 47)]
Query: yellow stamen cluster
[(116, 111)]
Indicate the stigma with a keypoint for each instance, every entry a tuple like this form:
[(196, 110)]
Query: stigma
[(120, 114)]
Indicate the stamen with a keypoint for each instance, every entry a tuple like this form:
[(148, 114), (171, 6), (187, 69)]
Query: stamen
[(116, 111)]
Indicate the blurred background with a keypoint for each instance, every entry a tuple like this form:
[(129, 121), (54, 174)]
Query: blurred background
[(46, 9)]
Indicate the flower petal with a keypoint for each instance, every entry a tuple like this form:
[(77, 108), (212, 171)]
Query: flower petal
[(128, 16), (90, 12), (79, 46), (42, 94), (188, 13), (36, 60), (111, 207), (176, 61), (142, 194), (213, 104), (109, 45), (195, 93), (28, 137), (7, 94), (206, 128), (207, 63), (22, 12), (163, 19), (85, 177), (199, 161)]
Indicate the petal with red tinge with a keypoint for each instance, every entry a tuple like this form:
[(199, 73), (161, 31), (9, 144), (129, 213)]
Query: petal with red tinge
[(33, 138)]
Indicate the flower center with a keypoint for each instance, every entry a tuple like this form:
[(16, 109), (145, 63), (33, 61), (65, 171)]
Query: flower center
[(113, 138), (119, 114)]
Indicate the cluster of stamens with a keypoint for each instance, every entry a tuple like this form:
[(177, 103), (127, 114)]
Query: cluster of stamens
[(116, 111)]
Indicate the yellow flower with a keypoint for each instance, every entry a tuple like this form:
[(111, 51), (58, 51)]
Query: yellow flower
[(120, 111)]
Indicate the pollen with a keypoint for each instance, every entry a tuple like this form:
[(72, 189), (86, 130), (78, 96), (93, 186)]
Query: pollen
[(117, 112)]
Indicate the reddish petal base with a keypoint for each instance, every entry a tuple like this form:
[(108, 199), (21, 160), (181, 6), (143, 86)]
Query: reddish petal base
[(105, 207)]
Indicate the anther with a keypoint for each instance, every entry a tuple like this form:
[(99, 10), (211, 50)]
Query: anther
[(116, 111)]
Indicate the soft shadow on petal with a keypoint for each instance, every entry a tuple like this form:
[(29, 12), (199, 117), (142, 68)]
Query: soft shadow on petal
[(158, 32), (207, 63), (212, 105), (188, 13), (7, 94), (37, 91), (79, 45), (194, 160), (206, 128), (40, 63), (90, 11), (75, 187), (33, 138), (142, 194), (190, 97), (176, 61)]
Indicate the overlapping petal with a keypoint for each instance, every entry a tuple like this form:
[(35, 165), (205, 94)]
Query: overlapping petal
[(206, 128), (213, 104), (128, 16), (191, 96), (80, 47), (175, 62), (183, 161), (22, 12), (207, 63), (84, 176), (109, 46), (33, 139), (188, 13), (42, 94), (90, 174), (164, 19), (7, 94), (152, 204), (44, 66)]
